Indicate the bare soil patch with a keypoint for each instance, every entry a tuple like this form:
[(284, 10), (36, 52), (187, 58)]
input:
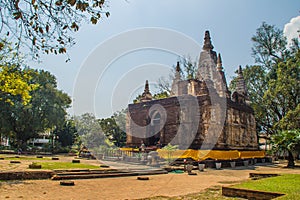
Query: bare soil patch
[(167, 185)]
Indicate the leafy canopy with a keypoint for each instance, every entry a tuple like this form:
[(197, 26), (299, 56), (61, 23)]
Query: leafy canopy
[(46, 25), (45, 110), (89, 130), (114, 128), (15, 83)]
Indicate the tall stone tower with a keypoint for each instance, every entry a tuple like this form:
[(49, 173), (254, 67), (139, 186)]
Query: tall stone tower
[(218, 121)]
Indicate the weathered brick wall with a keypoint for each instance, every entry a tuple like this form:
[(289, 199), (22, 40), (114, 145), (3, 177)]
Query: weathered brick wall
[(239, 131), (26, 175)]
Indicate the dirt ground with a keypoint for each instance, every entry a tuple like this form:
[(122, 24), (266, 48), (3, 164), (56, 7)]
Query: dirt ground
[(130, 187)]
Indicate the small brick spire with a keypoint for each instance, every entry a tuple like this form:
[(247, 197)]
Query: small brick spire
[(177, 73), (146, 90), (146, 96), (207, 42), (176, 81), (178, 67), (241, 85), (219, 63)]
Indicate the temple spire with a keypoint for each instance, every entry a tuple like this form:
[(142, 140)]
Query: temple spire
[(146, 96), (221, 79), (177, 73), (208, 59), (219, 63), (178, 67), (241, 85), (207, 42), (176, 81)]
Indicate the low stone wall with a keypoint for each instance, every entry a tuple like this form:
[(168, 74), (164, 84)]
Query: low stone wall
[(261, 175), (8, 152), (26, 175), (12, 152), (249, 194)]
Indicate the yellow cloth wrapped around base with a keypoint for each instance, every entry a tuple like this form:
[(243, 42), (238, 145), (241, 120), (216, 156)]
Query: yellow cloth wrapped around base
[(199, 155)]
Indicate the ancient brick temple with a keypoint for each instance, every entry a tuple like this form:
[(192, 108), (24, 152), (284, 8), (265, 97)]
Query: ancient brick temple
[(201, 113)]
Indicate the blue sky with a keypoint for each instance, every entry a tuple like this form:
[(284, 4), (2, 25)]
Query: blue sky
[(231, 23)]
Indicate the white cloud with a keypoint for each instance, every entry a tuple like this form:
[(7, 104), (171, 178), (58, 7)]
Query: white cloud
[(291, 29)]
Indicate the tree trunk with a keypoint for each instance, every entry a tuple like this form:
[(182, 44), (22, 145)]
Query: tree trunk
[(291, 161)]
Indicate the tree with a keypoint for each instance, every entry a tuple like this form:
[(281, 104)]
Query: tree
[(283, 93), (291, 121), (287, 141), (15, 90), (46, 109), (269, 45), (67, 134), (14, 80), (89, 130), (114, 128), (165, 83), (188, 70), (46, 25), (286, 97), (9, 56), (160, 95), (15, 83)]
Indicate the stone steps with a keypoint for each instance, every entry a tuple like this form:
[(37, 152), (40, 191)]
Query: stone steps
[(106, 174), (83, 172)]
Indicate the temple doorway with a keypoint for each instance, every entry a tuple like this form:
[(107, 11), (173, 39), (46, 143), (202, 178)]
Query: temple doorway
[(155, 127)]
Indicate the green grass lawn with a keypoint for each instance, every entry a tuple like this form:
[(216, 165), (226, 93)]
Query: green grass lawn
[(288, 184), (66, 165)]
